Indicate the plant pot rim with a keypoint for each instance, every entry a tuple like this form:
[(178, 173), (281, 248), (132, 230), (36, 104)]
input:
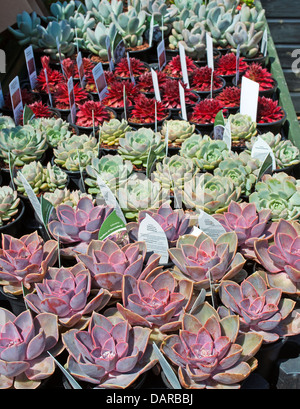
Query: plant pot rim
[(280, 121), (215, 91), (19, 216), (90, 128), (149, 124)]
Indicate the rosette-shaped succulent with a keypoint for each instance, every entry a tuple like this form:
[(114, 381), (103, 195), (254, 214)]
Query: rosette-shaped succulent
[(209, 351), (135, 146), (242, 127), (108, 263), (178, 131), (25, 343), (112, 131), (202, 261), (175, 223), (205, 111), (249, 225), (93, 113), (112, 169), (76, 152), (146, 110), (65, 196), (9, 204), (280, 257), (67, 293), (279, 193), (56, 129), (110, 353), (25, 144), (76, 227), (25, 261), (156, 300), (261, 309), (210, 193), (6, 122), (114, 97), (205, 152)]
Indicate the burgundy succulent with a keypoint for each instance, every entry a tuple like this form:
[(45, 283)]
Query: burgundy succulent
[(201, 80), (171, 97), (27, 98), (90, 86), (61, 96), (226, 65), (137, 67), (115, 96), (55, 77), (145, 82), (257, 73), (229, 97), (144, 110), (71, 69), (205, 111), (268, 111), (84, 115), (173, 67)]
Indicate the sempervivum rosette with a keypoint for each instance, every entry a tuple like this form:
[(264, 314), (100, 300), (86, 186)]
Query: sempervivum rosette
[(203, 261)]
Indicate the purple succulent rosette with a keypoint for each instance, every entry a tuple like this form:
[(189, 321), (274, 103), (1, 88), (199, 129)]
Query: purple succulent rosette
[(110, 353), (203, 261), (24, 345), (175, 223), (108, 263), (67, 293), (281, 257), (76, 227), (25, 261), (249, 225), (209, 351)]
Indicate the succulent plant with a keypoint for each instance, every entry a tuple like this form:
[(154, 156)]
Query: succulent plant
[(210, 193), (178, 131), (76, 227), (201, 80), (55, 129), (27, 99), (111, 366), (112, 131), (71, 70), (26, 32), (250, 15), (229, 97), (9, 204), (173, 67), (131, 26), (61, 99), (76, 152), (261, 309), (137, 67), (280, 193), (55, 78), (194, 41), (268, 111), (25, 343), (242, 127), (209, 351), (65, 196), (135, 146), (96, 39), (80, 23), (40, 110), (205, 152), (171, 96), (205, 111), (227, 63), (248, 224), (91, 87), (67, 293), (101, 10), (25, 144), (257, 73), (144, 111), (115, 95), (84, 116), (204, 261), (145, 81), (25, 261), (62, 11), (112, 169), (248, 39), (6, 122), (184, 21)]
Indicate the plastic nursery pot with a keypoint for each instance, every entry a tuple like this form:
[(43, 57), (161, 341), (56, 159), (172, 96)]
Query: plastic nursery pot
[(203, 61), (95, 59), (269, 93), (290, 170), (143, 52), (89, 129), (260, 59), (274, 127), (255, 381), (175, 111), (204, 94), (136, 77), (14, 227), (223, 50), (171, 53), (145, 124), (16, 302), (204, 129), (74, 177)]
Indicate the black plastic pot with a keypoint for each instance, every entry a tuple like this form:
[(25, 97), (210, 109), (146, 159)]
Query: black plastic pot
[(14, 228), (267, 357), (274, 127), (203, 62), (260, 59), (204, 129), (88, 130), (175, 111), (136, 77), (142, 55), (145, 125), (269, 93), (16, 302), (204, 94)]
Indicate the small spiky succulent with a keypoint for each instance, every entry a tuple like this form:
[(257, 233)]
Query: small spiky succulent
[(171, 96), (115, 96), (144, 111), (84, 116), (205, 111), (9, 204), (91, 87), (137, 68), (145, 82), (61, 96), (173, 67), (257, 73), (55, 77), (71, 69), (229, 97), (226, 65), (268, 111), (201, 80), (40, 110)]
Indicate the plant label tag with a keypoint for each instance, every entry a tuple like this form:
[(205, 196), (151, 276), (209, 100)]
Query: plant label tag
[(219, 132), (60, 57), (182, 102), (124, 102), (183, 65), (155, 85), (155, 237), (111, 225), (16, 99), (130, 69), (119, 52), (249, 98), (72, 99), (260, 150), (196, 231), (109, 54), (210, 226), (167, 140), (48, 88), (151, 30), (264, 43), (151, 159), (238, 53), (266, 167), (2, 102), (110, 198), (210, 51), (100, 81), (161, 55), (31, 68), (80, 68), (227, 135)]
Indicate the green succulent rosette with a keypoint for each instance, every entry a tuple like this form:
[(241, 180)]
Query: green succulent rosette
[(113, 130), (9, 204), (178, 131)]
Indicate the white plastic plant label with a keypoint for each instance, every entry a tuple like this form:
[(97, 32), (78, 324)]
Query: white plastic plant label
[(167, 139), (16, 99), (227, 135), (182, 102), (130, 69), (155, 85), (161, 55), (155, 237), (210, 226), (260, 150), (100, 81), (249, 98), (110, 198), (210, 51), (31, 68), (264, 43), (72, 99), (48, 88), (80, 68), (151, 30), (109, 54), (183, 65), (237, 68), (2, 102)]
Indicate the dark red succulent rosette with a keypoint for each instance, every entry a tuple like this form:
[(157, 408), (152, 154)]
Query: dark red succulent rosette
[(143, 111), (90, 82), (226, 65), (269, 111), (84, 115), (230, 97), (257, 73), (71, 69), (200, 80), (115, 96), (138, 68), (171, 97), (61, 96), (205, 111), (28, 98), (145, 82), (173, 67)]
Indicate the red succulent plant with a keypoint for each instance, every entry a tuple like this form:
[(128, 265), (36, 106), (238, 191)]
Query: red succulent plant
[(205, 111), (40, 110), (171, 96), (226, 65), (201, 80), (27, 98), (230, 97), (90, 82), (137, 67), (84, 116), (55, 78), (268, 111), (71, 69), (115, 99), (61, 96), (257, 73), (144, 110), (145, 82), (173, 67)]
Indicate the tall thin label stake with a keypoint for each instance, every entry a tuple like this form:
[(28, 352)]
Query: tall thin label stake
[(183, 65), (16, 99), (155, 85), (161, 55), (210, 59), (182, 102), (109, 54), (31, 68), (249, 98), (72, 99), (130, 69), (100, 81), (48, 88), (80, 68)]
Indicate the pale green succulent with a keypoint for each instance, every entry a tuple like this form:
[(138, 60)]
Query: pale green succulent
[(26, 32), (65, 196), (6, 122), (205, 152), (55, 129), (113, 130), (160, 10), (279, 193), (210, 193), (242, 127), (131, 26), (9, 202), (136, 145), (62, 10), (185, 21), (102, 10), (178, 130), (25, 144), (96, 39), (194, 41), (250, 15), (112, 169), (80, 23), (248, 38)]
